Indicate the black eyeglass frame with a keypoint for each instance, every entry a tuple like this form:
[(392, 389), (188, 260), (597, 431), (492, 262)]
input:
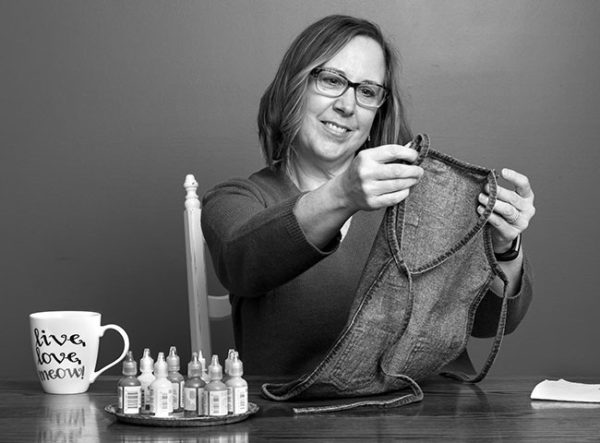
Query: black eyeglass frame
[(349, 84)]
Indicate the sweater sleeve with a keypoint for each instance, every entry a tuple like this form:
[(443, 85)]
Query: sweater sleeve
[(254, 238), (488, 311)]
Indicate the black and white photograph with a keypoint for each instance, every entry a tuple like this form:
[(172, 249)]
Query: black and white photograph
[(281, 220)]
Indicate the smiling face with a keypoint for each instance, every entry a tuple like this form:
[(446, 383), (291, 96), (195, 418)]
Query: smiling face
[(333, 129)]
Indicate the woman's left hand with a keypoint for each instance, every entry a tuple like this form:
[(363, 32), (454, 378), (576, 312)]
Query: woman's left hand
[(512, 212)]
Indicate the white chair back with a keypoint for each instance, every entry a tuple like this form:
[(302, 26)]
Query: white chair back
[(202, 306)]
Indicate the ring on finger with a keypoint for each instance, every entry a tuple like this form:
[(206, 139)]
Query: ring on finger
[(512, 220)]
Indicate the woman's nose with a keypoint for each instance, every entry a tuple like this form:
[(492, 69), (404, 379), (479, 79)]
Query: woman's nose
[(346, 103)]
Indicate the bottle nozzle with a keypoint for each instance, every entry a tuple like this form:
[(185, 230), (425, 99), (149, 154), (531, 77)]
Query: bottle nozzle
[(236, 368), (194, 366), (215, 371), (129, 364), (228, 360), (173, 359), (160, 367), (146, 362)]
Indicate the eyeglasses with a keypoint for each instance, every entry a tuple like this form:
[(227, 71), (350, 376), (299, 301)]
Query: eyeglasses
[(333, 84)]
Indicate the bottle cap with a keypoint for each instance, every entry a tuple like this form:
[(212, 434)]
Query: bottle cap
[(228, 361), (146, 362), (129, 364), (202, 361), (215, 370), (204, 375), (237, 367), (173, 359), (160, 367), (194, 366)]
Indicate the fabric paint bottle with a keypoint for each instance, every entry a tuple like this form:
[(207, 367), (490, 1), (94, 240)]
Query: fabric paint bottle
[(146, 378), (129, 387), (237, 387), (175, 378), (216, 392), (193, 389), (161, 389)]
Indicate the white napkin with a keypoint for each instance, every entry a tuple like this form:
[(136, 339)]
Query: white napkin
[(563, 390)]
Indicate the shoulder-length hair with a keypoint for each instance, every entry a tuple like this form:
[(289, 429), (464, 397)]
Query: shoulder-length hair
[(282, 105)]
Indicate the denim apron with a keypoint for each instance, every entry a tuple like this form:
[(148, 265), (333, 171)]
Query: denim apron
[(429, 267)]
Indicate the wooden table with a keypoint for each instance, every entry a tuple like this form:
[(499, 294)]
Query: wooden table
[(498, 409)]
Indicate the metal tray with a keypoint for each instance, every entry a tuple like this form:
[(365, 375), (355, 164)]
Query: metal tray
[(178, 420)]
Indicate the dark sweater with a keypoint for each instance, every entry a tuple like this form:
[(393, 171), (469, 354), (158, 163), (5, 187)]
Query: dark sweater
[(290, 300)]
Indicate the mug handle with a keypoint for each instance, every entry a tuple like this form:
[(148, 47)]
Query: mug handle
[(121, 331)]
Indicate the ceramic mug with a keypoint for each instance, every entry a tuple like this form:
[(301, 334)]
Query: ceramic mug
[(65, 349)]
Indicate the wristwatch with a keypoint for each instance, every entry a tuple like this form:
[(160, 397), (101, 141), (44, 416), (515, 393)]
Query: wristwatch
[(513, 251)]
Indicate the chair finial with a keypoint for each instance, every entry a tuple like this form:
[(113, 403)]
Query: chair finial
[(191, 198)]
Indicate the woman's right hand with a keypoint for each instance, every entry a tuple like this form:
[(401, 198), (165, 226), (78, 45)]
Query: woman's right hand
[(376, 178), (380, 177)]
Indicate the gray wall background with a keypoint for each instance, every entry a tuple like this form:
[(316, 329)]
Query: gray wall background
[(106, 105)]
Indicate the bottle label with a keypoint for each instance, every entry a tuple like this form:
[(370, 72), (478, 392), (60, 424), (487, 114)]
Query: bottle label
[(217, 402), (181, 384), (162, 402), (177, 389), (190, 399), (239, 400), (150, 399), (201, 394), (130, 399), (146, 399), (230, 400), (193, 401)]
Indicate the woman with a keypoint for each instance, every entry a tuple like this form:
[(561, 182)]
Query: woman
[(289, 242)]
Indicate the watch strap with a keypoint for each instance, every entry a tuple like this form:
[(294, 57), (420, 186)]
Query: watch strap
[(513, 251)]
